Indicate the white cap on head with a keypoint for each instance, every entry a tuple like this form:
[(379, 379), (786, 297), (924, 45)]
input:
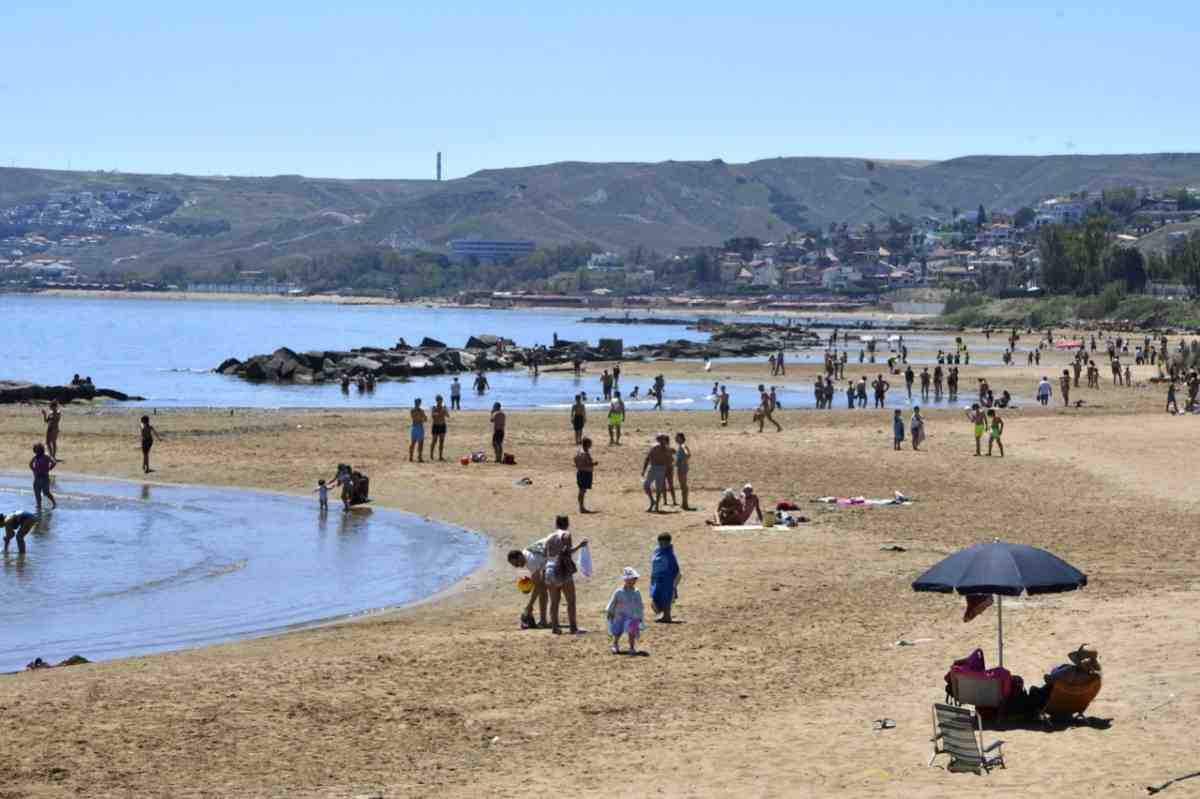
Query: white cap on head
[(747, 487), (630, 573)]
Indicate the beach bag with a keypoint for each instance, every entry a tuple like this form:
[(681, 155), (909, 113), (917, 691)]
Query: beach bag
[(585, 561), (509, 460), (564, 566)]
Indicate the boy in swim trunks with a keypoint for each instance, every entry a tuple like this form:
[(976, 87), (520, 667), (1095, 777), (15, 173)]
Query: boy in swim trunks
[(975, 415), (417, 439), (584, 470), (616, 418), (997, 425), (654, 472)]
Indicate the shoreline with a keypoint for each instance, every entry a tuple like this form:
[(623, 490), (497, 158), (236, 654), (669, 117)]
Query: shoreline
[(874, 314), (769, 621), (492, 557)]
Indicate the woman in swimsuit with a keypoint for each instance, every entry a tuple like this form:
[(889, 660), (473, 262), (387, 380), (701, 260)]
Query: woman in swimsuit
[(41, 465), (683, 457), (52, 418)]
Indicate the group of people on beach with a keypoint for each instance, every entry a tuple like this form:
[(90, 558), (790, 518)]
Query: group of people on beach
[(551, 567)]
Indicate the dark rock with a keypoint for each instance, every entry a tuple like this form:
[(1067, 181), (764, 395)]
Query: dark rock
[(428, 343), (15, 391), (229, 366)]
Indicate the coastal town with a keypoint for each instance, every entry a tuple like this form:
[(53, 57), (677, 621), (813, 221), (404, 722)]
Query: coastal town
[(966, 250)]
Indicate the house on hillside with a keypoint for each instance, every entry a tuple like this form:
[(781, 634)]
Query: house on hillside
[(1060, 211), (803, 276), (764, 273), (840, 278)]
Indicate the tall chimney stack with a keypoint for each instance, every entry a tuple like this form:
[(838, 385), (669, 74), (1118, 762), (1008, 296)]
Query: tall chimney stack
[(439, 166)]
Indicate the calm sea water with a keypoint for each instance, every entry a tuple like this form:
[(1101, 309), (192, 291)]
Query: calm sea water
[(165, 350), (124, 568)]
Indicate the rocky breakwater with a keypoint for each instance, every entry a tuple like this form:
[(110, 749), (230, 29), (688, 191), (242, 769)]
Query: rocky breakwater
[(734, 341), (12, 391), (430, 357)]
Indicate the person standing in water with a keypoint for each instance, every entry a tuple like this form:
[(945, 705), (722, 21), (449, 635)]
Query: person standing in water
[(18, 525), (417, 438), (481, 383), (41, 465), (455, 394), (723, 406), (498, 422), (149, 436), (659, 385), (439, 415), (52, 419)]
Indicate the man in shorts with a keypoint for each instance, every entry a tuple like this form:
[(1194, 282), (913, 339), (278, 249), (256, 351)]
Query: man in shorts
[(533, 558), (997, 426), (616, 418), (417, 438), (976, 417), (18, 525), (654, 472), (584, 470)]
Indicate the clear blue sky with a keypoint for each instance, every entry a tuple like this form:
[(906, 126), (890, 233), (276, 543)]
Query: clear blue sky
[(374, 90)]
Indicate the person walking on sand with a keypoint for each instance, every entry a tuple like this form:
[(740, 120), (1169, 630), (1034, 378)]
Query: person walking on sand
[(766, 410), (18, 525), (654, 472), (723, 406), (455, 394), (52, 418), (909, 376), (616, 418), (917, 427), (585, 467), (897, 430), (439, 415), (664, 579), (578, 417), (779, 366), (625, 612), (1064, 386), (659, 385), (683, 458), (560, 573), (498, 421), (1172, 405), (41, 465), (149, 436), (979, 421), (1044, 390), (417, 438), (997, 426)]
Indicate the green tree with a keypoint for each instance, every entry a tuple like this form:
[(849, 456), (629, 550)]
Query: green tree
[(1058, 270), (1024, 217), (1126, 264)]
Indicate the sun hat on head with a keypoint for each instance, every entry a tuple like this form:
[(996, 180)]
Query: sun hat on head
[(629, 573), (747, 487)]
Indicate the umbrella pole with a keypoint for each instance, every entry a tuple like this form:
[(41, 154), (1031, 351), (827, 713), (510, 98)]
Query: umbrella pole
[(1000, 617)]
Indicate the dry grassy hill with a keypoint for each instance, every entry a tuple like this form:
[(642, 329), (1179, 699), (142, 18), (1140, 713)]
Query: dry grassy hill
[(616, 205)]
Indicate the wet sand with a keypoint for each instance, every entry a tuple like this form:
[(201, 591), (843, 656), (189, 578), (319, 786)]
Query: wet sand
[(769, 686)]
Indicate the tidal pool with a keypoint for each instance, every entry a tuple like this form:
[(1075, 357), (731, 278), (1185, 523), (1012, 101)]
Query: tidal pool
[(124, 568)]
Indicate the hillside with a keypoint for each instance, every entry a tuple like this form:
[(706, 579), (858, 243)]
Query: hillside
[(262, 221)]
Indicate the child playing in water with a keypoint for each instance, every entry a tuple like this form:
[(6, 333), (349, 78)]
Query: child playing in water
[(625, 612), (997, 425), (323, 495), (897, 430)]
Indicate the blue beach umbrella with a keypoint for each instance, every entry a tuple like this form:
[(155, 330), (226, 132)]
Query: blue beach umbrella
[(1002, 569)]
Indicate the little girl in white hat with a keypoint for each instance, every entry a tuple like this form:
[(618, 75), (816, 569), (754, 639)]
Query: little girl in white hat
[(625, 614)]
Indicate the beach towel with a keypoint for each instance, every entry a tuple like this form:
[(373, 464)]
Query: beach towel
[(664, 568), (897, 499)]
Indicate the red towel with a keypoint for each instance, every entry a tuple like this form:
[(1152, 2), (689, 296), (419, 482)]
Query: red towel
[(976, 604)]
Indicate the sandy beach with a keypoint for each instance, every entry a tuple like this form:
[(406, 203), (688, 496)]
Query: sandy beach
[(786, 654)]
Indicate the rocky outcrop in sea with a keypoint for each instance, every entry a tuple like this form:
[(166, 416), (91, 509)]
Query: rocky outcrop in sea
[(12, 391)]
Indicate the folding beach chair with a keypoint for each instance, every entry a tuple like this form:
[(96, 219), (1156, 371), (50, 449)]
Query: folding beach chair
[(958, 732)]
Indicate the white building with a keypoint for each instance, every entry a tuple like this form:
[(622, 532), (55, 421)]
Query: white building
[(837, 278)]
